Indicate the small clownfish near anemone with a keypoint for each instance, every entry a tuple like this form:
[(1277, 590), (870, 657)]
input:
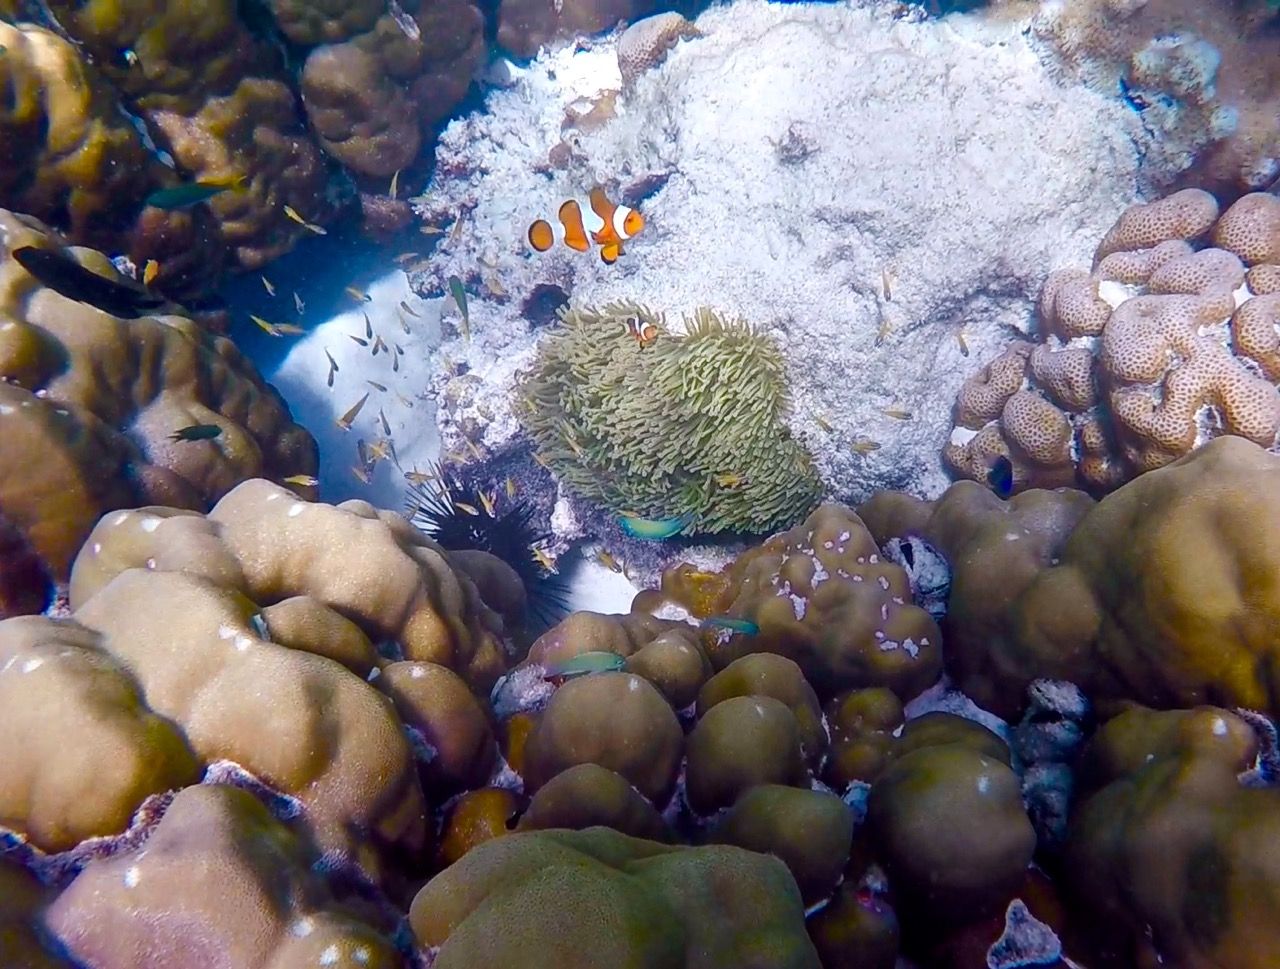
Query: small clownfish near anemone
[(642, 331), (598, 221)]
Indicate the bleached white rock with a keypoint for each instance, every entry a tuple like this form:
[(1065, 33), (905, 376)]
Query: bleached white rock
[(792, 164)]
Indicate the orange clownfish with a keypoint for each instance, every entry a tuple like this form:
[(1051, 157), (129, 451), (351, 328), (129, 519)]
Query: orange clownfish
[(642, 331), (598, 221)]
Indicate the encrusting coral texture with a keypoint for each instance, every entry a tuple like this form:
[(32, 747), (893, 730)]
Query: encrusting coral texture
[(90, 404), (1168, 342)]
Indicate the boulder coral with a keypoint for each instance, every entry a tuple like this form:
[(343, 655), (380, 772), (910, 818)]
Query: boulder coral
[(597, 898), (821, 594), (1175, 858), (1169, 341), (90, 402), (1166, 592)]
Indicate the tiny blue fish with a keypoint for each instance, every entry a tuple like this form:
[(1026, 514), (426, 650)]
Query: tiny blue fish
[(1000, 476), (594, 661), (655, 529), (733, 623)]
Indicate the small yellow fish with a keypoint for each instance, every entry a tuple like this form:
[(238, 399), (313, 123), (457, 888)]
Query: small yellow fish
[(455, 233), (379, 345), (300, 306), (376, 386), (404, 400), (149, 272), (368, 326), (883, 332), (546, 561), (431, 230), (395, 184), (357, 295), (292, 213), (395, 364), (359, 339), (486, 502), (511, 488), (964, 344), (887, 279), (266, 284), (864, 446), (405, 257), (346, 419), (469, 509), (494, 286), (475, 451), (292, 329), (541, 460), (608, 561), (823, 423), (379, 451), (382, 417), (416, 477), (333, 366), (302, 480), (897, 413), (730, 480), (407, 308), (362, 473), (404, 324), (267, 327)]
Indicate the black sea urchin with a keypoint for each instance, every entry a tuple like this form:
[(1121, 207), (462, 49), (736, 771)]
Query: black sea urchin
[(458, 519)]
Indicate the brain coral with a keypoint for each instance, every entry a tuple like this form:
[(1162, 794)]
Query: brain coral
[(691, 424), (1167, 592), (1160, 348), (73, 159), (89, 403), (216, 97)]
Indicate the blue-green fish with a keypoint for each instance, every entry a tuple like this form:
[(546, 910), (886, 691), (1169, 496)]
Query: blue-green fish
[(655, 529), (460, 297), (734, 623), (594, 661), (192, 193), (196, 432)]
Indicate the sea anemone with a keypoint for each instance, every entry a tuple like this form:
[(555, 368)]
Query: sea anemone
[(461, 517)]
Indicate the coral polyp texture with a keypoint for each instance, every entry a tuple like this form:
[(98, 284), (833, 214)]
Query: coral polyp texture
[(691, 424), (1166, 592), (90, 404), (823, 595), (1203, 77), (1168, 342)]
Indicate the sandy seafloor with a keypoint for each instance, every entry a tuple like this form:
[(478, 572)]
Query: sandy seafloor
[(869, 191)]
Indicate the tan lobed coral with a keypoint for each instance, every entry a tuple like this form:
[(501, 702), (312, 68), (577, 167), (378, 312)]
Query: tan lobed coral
[(217, 98), (89, 403), (526, 25), (1161, 347), (1167, 592), (597, 899), (72, 158), (643, 45), (219, 882), (1176, 859), (384, 75), (1204, 78), (237, 646), (821, 595)]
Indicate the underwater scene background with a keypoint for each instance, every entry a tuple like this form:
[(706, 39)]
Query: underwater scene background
[(598, 484)]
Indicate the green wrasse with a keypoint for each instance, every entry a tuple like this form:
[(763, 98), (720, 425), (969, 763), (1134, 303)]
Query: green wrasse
[(655, 529)]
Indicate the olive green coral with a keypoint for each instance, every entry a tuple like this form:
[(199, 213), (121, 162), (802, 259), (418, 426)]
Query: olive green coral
[(690, 424)]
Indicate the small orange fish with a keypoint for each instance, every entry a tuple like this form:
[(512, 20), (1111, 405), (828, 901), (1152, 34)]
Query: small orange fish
[(642, 331), (149, 272), (580, 224)]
